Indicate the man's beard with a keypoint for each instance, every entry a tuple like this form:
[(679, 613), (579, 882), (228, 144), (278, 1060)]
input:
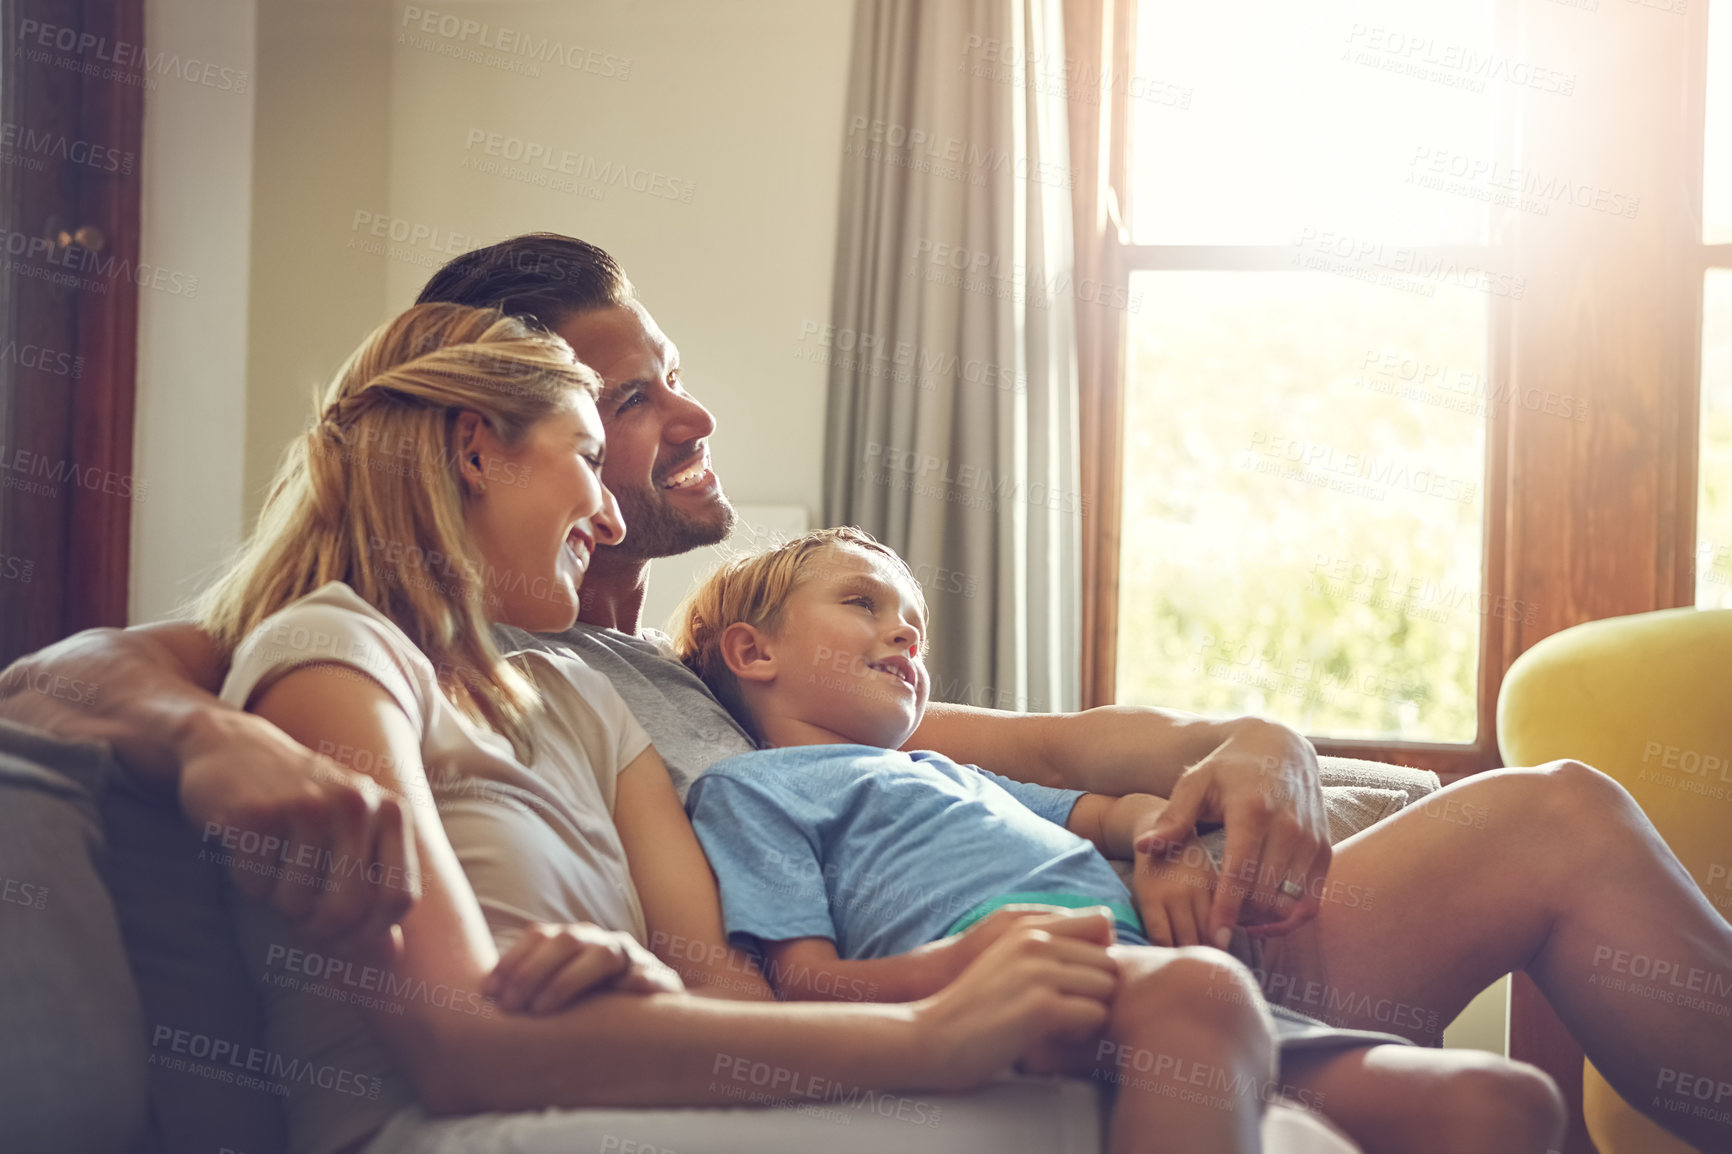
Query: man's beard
[(652, 529)]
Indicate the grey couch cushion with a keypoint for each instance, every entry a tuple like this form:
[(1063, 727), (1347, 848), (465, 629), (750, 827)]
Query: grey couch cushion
[(201, 1015), (144, 995), (72, 1073)]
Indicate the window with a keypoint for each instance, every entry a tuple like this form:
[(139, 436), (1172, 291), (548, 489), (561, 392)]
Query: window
[(1400, 386), (1304, 494)]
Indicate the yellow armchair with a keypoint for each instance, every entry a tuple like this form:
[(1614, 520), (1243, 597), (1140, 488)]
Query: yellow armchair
[(1648, 700)]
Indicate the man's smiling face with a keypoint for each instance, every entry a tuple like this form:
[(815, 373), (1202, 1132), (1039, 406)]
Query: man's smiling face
[(658, 457)]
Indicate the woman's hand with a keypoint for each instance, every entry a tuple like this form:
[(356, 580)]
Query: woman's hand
[(1046, 978), (554, 966), (1174, 885), (947, 958)]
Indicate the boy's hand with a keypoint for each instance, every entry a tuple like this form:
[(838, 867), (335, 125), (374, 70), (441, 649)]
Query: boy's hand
[(1174, 885), (554, 966)]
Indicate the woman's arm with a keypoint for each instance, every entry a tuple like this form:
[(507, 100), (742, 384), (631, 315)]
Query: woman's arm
[(682, 909), (660, 1049)]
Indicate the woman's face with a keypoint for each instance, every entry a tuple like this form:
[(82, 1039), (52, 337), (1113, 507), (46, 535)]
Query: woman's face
[(538, 513)]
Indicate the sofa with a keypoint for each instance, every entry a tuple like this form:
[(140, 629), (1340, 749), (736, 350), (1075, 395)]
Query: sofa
[(114, 933)]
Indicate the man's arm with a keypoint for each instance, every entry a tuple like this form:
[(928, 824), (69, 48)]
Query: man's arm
[(149, 692), (1256, 777), (1115, 749)]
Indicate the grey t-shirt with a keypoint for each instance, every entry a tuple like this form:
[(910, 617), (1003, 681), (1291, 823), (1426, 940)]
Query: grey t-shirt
[(687, 725)]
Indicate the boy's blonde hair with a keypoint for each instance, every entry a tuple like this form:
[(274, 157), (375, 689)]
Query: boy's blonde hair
[(371, 493), (753, 589)]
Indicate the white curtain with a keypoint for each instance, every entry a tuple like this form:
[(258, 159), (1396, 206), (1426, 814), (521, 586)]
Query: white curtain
[(952, 424)]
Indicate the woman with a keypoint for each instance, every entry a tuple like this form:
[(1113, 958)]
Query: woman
[(451, 481)]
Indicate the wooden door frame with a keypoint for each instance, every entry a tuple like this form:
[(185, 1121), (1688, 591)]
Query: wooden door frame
[(79, 539)]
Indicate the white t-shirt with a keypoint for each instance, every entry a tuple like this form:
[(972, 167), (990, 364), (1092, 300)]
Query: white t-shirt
[(537, 842)]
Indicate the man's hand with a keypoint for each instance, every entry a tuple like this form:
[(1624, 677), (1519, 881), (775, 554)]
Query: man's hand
[(1261, 783), (281, 816), (286, 818)]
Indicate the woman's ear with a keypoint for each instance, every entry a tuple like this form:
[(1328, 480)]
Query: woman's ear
[(471, 438), (746, 653)]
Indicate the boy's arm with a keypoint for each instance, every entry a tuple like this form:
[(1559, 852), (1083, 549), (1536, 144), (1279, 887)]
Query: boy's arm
[(809, 969), (149, 692), (1173, 885), (1256, 777), (1114, 824)]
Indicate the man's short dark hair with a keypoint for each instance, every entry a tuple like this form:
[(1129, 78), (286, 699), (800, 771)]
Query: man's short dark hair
[(540, 277)]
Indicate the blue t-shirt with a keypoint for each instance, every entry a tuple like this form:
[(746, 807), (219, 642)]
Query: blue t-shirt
[(880, 850)]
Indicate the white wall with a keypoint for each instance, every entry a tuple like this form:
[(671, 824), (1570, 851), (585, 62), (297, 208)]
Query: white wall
[(1484, 1024), (323, 151), (197, 172), (742, 100), (364, 109)]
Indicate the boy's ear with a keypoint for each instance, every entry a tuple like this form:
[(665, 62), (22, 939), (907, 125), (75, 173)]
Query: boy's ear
[(745, 651)]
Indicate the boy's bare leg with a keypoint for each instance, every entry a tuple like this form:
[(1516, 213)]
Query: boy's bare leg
[(1406, 1100), (1554, 871), (1189, 1053)]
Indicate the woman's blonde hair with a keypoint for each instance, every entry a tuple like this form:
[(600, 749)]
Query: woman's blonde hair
[(371, 495), (753, 589)]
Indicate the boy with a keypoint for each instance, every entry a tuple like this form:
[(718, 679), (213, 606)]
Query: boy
[(855, 866)]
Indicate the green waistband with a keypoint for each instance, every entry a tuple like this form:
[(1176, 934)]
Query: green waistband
[(1123, 912)]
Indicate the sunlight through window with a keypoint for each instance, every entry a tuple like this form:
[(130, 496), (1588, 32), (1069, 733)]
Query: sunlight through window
[(1373, 119)]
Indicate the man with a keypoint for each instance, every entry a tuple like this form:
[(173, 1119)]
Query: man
[(155, 705)]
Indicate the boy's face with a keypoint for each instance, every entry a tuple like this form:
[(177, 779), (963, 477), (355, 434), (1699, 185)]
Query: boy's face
[(848, 649)]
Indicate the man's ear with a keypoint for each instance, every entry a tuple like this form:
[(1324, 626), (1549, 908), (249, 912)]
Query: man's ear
[(746, 652)]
